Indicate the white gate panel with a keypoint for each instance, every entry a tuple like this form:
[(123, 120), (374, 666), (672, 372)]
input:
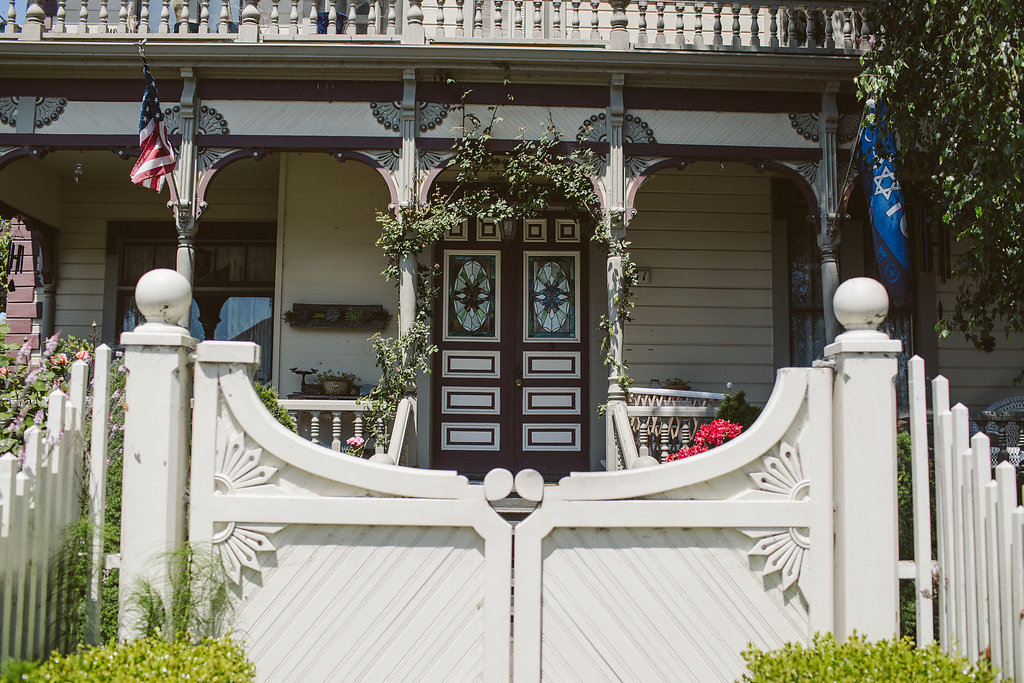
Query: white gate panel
[(344, 569), (668, 572)]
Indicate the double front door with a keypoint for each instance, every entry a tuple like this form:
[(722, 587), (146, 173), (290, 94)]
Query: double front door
[(510, 373)]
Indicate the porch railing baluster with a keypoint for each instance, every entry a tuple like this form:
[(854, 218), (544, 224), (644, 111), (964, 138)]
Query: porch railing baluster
[(336, 430)]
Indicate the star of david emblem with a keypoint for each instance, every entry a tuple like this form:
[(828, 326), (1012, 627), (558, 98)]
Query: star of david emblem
[(886, 191)]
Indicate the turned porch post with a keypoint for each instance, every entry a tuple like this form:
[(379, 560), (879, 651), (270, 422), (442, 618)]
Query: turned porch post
[(185, 184), (864, 449), (828, 203), (406, 197), (156, 435), (614, 183)]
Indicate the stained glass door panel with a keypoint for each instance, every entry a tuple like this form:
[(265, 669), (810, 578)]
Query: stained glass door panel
[(509, 379)]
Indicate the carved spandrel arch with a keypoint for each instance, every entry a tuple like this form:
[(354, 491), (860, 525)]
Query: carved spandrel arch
[(219, 158)]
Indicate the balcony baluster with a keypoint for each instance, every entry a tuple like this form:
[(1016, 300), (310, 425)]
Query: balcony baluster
[(575, 18), (460, 19), (478, 18), (698, 24), (595, 33), (642, 23), (538, 20), (62, 13), (556, 10), (717, 26), (680, 25), (755, 28), (440, 19), (392, 18), (497, 19)]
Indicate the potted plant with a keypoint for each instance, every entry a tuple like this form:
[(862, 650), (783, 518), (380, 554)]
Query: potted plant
[(677, 383), (337, 384)]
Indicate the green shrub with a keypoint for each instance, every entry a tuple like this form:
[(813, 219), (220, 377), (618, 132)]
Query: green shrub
[(12, 670), (269, 398), (860, 661), (734, 408), (150, 659)]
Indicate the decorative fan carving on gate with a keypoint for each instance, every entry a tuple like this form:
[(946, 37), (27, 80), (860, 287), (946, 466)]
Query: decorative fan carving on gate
[(237, 469), (784, 549)]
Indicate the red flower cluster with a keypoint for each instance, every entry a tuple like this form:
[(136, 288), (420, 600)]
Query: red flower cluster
[(708, 436)]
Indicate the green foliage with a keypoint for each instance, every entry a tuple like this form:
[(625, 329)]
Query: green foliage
[(860, 661), (5, 254), (70, 569), (16, 670), (151, 659), (26, 384), (949, 73), (269, 399), (199, 603), (734, 408), (532, 177)]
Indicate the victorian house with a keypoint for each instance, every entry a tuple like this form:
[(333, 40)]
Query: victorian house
[(723, 133)]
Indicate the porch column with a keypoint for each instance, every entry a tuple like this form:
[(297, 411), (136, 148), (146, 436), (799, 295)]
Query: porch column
[(407, 193), (615, 186), (864, 452), (185, 183), (47, 316), (156, 435), (828, 203), (406, 198)]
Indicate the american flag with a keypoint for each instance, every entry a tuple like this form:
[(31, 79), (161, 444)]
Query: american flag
[(157, 159)]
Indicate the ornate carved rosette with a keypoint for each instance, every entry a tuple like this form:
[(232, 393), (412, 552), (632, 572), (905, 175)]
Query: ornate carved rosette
[(9, 111), (47, 110), (806, 126), (634, 129), (784, 550), (208, 122), (429, 115)]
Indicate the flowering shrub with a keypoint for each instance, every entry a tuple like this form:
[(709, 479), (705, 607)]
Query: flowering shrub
[(355, 444), (25, 384), (708, 436)]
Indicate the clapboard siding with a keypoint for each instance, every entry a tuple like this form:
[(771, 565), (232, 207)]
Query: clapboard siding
[(328, 255), (706, 316), (87, 207)]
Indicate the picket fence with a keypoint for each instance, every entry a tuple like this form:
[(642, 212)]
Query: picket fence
[(40, 494), (343, 568)]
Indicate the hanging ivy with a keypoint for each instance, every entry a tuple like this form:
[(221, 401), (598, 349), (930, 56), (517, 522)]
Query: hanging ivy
[(517, 185)]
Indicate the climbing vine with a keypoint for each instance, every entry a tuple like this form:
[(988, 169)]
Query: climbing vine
[(516, 185)]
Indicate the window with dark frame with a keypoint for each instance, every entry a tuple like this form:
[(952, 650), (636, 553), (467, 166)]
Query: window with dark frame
[(233, 289)]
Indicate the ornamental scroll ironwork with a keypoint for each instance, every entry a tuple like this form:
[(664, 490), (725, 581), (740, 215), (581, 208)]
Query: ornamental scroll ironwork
[(429, 115), (238, 468), (47, 110), (784, 549)]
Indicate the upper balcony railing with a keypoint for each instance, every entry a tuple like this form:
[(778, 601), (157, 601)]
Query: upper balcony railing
[(816, 27)]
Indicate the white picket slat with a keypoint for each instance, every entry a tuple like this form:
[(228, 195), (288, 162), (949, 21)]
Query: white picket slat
[(924, 594)]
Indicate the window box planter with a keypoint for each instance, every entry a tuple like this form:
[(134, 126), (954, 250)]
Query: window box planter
[(338, 316)]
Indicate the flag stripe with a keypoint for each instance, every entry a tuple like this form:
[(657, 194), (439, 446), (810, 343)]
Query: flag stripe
[(157, 158)]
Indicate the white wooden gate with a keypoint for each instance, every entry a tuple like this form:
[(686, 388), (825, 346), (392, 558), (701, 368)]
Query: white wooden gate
[(668, 572), (344, 569)]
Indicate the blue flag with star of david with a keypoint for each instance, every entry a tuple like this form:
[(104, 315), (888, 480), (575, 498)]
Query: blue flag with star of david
[(885, 208)]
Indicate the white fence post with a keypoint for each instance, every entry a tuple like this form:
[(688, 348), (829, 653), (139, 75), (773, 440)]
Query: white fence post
[(867, 586), (158, 391)]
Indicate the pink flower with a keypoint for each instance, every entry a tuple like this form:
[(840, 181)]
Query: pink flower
[(82, 355), (59, 359), (3, 371), (24, 353), (355, 442)]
